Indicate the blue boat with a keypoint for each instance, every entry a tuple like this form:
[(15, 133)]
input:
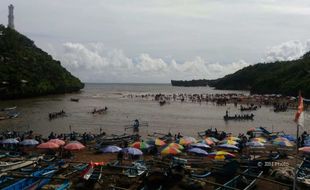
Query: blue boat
[(36, 181)]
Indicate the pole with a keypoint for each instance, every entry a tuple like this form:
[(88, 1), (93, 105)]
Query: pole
[(296, 168)]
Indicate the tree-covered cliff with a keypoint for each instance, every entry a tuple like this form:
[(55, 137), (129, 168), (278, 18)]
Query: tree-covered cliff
[(26, 70), (285, 77)]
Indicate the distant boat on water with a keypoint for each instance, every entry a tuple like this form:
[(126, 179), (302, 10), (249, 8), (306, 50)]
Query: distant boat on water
[(75, 100)]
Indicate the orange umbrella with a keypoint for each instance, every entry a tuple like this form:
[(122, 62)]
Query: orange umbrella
[(75, 145), (48, 145), (170, 150), (159, 142), (208, 141), (176, 145), (58, 141)]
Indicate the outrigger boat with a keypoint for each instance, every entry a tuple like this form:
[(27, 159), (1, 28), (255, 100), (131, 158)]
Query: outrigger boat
[(244, 181), (303, 174), (35, 181), (9, 166), (239, 117)]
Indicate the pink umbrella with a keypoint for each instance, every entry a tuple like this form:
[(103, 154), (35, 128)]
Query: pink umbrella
[(48, 145), (58, 141), (75, 145), (305, 149)]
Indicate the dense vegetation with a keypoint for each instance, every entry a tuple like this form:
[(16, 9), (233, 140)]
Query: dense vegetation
[(285, 77), (27, 71)]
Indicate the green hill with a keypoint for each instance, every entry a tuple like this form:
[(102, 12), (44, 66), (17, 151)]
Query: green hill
[(27, 71), (285, 77)]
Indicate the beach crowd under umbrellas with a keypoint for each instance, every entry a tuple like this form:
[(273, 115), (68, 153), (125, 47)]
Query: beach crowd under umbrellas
[(129, 161)]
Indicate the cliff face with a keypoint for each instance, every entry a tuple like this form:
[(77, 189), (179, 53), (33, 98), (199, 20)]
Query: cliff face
[(285, 77), (27, 71)]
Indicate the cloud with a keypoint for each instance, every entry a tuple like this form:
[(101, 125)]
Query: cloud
[(287, 51), (93, 62)]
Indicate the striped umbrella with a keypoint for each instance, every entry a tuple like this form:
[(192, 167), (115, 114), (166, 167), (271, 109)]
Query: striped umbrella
[(176, 145), (187, 140), (140, 145), (159, 142), (280, 139), (74, 145), (58, 141), (170, 150), (283, 143), (221, 155), (48, 145)]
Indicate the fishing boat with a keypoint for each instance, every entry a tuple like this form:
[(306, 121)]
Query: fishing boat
[(9, 166), (9, 108), (250, 108), (74, 99), (35, 181), (239, 117), (303, 173), (99, 111), (244, 181), (115, 139)]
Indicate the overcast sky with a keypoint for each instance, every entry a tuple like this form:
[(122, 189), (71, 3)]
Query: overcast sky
[(159, 40)]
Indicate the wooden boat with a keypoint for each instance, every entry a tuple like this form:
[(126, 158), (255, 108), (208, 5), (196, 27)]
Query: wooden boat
[(9, 108), (35, 181), (239, 117), (99, 111), (245, 181), (74, 99), (115, 139), (250, 108), (9, 166), (55, 115)]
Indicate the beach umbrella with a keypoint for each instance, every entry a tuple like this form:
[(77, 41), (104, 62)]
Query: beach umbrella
[(58, 141), (305, 149), (228, 146), (221, 155), (259, 139), (233, 138), (200, 145), (140, 145), (255, 144), (133, 151), (29, 142), (74, 145), (176, 145), (198, 151), (48, 145), (283, 143), (159, 142), (228, 142), (280, 139), (187, 140), (208, 141), (170, 150), (289, 137), (256, 129), (10, 141), (110, 149)]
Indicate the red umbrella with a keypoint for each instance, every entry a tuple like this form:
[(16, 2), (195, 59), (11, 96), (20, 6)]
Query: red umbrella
[(58, 141), (48, 145), (74, 146)]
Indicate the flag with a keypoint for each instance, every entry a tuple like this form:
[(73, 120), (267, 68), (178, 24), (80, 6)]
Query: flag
[(299, 116)]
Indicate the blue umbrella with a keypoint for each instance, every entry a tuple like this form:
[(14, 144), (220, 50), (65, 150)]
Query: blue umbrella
[(228, 146), (289, 137), (198, 151), (110, 149), (200, 145), (255, 144), (10, 141), (29, 142), (133, 151)]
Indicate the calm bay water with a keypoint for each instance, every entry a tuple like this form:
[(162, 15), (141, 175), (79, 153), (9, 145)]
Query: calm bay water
[(187, 118)]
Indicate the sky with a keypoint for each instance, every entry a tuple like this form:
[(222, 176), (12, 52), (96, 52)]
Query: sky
[(154, 41)]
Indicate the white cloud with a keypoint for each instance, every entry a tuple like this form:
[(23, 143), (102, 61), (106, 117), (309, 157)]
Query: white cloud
[(286, 51), (93, 62)]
